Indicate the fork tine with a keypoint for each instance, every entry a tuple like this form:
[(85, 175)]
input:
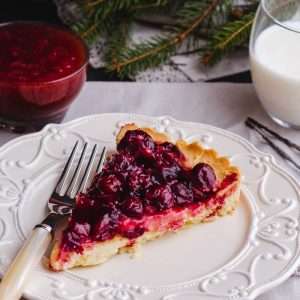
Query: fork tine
[(67, 168), (101, 160), (87, 171), (72, 184)]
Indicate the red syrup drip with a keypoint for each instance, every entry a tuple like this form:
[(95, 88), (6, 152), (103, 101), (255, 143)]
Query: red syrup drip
[(42, 69), (144, 186)]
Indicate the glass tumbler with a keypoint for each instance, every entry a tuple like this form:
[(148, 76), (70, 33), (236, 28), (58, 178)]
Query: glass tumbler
[(274, 59)]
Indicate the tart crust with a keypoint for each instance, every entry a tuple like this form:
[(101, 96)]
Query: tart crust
[(99, 252)]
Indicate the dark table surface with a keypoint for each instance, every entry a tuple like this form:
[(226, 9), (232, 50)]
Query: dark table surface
[(45, 10)]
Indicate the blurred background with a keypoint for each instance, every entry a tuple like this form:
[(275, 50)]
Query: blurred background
[(46, 11)]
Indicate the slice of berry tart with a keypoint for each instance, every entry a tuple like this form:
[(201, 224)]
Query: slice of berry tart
[(147, 188)]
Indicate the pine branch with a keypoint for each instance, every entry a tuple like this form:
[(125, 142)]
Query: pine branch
[(110, 5), (98, 15), (142, 56), (193, 8), (146, 5), (117, 40), (90, 30), (189, 21), (227, 38), (103, 8), (220, 15), (158, 50)]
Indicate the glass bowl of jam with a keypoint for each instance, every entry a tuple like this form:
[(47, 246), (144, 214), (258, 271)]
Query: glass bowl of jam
[(42, 70)]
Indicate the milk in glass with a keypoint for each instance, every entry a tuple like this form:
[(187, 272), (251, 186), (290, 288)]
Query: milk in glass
[(275, 65)]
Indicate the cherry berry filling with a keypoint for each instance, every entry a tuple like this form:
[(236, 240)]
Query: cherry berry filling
[(141, 180)]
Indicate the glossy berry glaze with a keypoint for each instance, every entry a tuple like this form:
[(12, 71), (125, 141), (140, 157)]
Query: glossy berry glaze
[(42, 69), (145, 186)]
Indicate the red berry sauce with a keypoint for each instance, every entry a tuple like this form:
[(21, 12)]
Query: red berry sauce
[(42, 69), (137, 190)]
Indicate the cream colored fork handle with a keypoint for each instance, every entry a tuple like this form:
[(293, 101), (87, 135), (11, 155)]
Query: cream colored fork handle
[(14, 280)]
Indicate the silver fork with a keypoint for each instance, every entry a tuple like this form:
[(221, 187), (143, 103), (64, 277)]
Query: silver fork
[(74, 179)]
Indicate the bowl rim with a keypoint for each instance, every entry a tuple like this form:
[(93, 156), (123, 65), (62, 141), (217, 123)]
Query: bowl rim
[(268, 12), (61, 28)]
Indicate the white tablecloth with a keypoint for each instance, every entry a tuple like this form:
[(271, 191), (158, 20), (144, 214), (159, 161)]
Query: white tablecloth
[(223, 105)]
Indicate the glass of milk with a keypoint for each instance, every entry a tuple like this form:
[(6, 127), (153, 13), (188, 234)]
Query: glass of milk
[(275, 59)]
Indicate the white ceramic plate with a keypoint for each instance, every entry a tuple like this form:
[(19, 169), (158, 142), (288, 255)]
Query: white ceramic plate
[(236, 257)]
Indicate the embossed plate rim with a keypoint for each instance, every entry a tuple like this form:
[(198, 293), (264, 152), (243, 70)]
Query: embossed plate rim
[(269, 159)]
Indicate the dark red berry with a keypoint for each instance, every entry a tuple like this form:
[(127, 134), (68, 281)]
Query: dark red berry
[(107, 202), (170, 172), (204, 177), (169, 151), (149, 209), (139, 180), (167, 162), (167, 169), (106, 227), (75, 235), (84, 206), (161, 197), (131, 229), (109, 184), (120, 163), (132, 207), (102, 229), (137, 142), (81, 229), (71, 241), (183, 193)]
